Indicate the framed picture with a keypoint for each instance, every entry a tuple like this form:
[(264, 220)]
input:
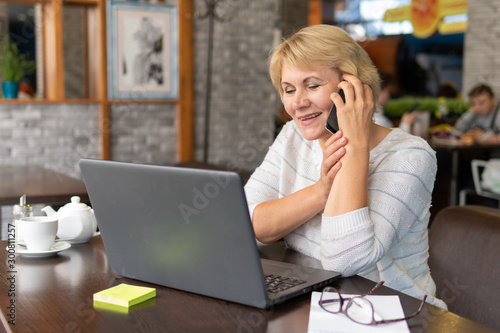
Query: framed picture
[(142, 50)]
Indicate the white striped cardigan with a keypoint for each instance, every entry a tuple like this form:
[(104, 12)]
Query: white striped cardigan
[(385, 241)]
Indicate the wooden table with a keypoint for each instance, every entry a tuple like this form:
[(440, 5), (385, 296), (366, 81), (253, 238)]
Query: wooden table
[(40, 185), (55, 295)]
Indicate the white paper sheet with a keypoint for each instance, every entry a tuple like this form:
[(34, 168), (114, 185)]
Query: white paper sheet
[(386, 306)]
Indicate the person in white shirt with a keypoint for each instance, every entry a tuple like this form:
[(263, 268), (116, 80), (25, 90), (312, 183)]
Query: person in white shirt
[(359, 199)]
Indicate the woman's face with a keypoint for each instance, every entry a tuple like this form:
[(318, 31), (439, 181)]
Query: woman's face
[(306, 97)]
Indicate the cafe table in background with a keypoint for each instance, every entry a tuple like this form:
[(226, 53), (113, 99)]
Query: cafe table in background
[(454, 170)]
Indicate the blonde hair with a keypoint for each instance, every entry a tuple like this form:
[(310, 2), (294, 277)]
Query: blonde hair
[(324, 46)]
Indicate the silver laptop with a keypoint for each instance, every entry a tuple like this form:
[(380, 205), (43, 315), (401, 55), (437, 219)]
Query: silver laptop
[(188, 229)]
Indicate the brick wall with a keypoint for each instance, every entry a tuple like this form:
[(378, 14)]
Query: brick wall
[(58, 135), (52, 135), (243, 103), (144, 133), (482, 47)]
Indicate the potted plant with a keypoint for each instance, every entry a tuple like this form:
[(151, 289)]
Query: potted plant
[(13, 67)]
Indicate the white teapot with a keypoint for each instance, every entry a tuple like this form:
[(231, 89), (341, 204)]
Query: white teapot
[(77, 222)]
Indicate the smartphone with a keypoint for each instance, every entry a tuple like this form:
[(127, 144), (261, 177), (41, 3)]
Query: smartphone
[(332, 123)]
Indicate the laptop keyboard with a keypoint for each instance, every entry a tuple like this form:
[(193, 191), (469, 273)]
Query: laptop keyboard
[(276, 283)]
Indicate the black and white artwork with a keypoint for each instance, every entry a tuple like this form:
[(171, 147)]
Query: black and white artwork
[(143, 57)]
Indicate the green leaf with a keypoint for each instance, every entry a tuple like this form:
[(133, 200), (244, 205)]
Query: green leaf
[(14, 65)]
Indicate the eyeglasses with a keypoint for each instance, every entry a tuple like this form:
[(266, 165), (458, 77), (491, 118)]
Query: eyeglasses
[(358, 308)]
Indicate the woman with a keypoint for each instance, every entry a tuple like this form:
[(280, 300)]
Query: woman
[(359, 199)]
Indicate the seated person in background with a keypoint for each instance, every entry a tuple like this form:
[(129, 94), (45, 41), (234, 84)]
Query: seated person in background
[(481, 122), (379, 118), (357, 200)]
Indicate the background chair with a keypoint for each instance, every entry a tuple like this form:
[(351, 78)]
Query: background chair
[(477, 167), (464, 247)]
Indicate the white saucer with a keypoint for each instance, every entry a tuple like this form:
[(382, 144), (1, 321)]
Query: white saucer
[(58, 246)]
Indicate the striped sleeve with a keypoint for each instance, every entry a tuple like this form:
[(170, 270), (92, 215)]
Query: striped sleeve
[(400, 184), (291, 164), (263, 185)]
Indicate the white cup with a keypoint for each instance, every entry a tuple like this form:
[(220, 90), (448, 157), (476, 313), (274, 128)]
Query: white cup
[(19, 236), (39, 232)]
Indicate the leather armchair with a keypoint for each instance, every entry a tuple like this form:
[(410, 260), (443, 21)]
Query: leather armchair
[(464, 247)]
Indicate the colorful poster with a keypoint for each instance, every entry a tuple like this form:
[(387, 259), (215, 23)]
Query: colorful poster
[(426, 16)]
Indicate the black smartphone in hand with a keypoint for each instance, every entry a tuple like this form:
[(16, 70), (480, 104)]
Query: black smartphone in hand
[(332, 123)]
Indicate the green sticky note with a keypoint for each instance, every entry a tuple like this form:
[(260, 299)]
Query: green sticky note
[(124, 295)]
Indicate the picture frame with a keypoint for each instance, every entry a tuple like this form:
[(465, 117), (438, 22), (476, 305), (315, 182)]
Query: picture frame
[(142, 50)]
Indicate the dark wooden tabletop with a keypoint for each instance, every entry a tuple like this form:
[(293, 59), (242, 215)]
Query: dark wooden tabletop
[(55, 295), (40, 185)]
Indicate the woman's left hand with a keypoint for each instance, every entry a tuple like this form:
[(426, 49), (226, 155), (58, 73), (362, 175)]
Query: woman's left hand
[(349, 189), (356, 114)]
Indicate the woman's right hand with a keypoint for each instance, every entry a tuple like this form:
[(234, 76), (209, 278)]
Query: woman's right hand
[(275, 219), (333, 151)]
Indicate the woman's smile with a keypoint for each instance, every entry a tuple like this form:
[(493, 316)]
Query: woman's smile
[(310, 118)]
